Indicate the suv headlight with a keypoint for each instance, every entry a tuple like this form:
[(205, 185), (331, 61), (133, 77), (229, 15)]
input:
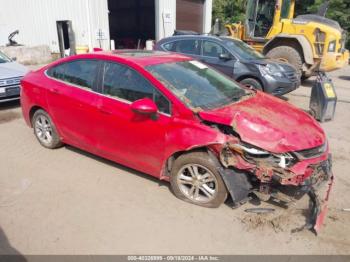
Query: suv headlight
[(270, 69), (331, 46)]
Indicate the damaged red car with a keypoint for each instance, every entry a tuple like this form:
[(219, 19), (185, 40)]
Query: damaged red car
[(179, 120)]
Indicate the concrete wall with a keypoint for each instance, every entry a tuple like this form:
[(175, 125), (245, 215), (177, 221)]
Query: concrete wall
[(36, 21), (29, 55)]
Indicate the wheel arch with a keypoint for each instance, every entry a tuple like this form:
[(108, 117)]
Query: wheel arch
[(242, 77), (298, 42), (171, 159), (32, 111), (236, 182)]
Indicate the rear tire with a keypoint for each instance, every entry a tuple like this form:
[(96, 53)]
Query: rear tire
[(287, 54), (45, 130), (252, 83), (195, 179)]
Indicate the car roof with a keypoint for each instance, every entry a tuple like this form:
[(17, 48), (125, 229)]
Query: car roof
[(143, 57), (182, 37)]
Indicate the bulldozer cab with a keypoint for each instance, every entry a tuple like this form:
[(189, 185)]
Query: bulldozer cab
[(264, 16)]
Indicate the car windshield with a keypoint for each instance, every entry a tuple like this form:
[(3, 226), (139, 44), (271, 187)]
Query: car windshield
[(4, 58), (197, 85), (243, 50)]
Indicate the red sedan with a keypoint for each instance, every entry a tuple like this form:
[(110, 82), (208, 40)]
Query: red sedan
[(181, 121)]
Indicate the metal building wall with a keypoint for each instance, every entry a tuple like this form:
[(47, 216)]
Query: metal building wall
[(36, 21), (165, 18)]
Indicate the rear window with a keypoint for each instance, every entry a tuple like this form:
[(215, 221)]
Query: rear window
[(187, 46), (81, 72)]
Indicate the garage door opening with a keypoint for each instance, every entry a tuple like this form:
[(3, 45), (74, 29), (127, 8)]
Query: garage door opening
[(189, 15), (131, 22)]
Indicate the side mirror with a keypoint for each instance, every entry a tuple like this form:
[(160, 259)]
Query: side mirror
[(225, 57), (144, 106), (14, 58)]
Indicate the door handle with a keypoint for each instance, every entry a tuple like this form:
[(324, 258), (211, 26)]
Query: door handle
[(103, 110), (55, 90)]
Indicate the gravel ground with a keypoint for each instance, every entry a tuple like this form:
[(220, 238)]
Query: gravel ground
[(67, 201)]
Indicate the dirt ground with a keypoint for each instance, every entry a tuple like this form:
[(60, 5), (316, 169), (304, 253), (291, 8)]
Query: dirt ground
[(66, 201)]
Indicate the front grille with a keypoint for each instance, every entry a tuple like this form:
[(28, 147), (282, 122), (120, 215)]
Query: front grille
[(312, 152), (10, 82)]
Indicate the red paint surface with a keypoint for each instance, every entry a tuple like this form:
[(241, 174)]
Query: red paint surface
[(270, 123)]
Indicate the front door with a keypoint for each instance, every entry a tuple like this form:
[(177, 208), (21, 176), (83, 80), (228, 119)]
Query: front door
[(127, 137), (211, 52)]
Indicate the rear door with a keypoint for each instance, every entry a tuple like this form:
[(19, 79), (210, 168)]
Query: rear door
[(72, 101), (210, 55), (127, 137)]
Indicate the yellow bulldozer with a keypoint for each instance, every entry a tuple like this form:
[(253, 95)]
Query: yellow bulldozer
[(310, 42)]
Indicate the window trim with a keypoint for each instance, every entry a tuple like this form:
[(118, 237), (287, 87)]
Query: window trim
[(119, 99), (93, 89), (184, 39)]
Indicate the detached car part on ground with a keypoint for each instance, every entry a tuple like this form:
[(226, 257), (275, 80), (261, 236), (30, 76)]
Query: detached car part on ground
[(11, 74), (237, 60), (181, 121)]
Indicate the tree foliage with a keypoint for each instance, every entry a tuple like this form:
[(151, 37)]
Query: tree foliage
[(230, 11)]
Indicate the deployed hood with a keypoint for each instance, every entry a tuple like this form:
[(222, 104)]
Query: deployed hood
[(318, 19), (11, 70), (269, 123)]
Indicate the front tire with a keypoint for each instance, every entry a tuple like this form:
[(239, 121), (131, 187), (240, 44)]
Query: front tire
[(195, 179), (252, 83), (45, 130)]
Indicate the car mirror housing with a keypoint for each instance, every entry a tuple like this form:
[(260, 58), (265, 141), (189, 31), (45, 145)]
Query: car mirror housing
[(144, 106), (225, 56)]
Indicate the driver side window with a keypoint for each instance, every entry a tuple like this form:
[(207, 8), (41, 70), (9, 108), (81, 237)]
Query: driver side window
[(212, 49), (123, 82)]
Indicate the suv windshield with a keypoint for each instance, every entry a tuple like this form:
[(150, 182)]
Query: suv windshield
[(243, 50), (4, 58), (197, 85)]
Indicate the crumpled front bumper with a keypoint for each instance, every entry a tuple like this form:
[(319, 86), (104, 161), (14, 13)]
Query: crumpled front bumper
[(318, 187), (319, 195)]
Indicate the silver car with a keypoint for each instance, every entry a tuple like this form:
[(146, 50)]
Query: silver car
[(11, 74)]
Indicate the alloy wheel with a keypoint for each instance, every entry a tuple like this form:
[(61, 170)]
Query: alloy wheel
[(43, 129), (197, 183)]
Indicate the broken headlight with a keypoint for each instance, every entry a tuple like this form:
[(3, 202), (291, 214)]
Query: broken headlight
[(271, 69), (254, 154)]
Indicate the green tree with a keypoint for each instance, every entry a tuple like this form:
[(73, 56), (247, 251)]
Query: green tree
[(229, 11)]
